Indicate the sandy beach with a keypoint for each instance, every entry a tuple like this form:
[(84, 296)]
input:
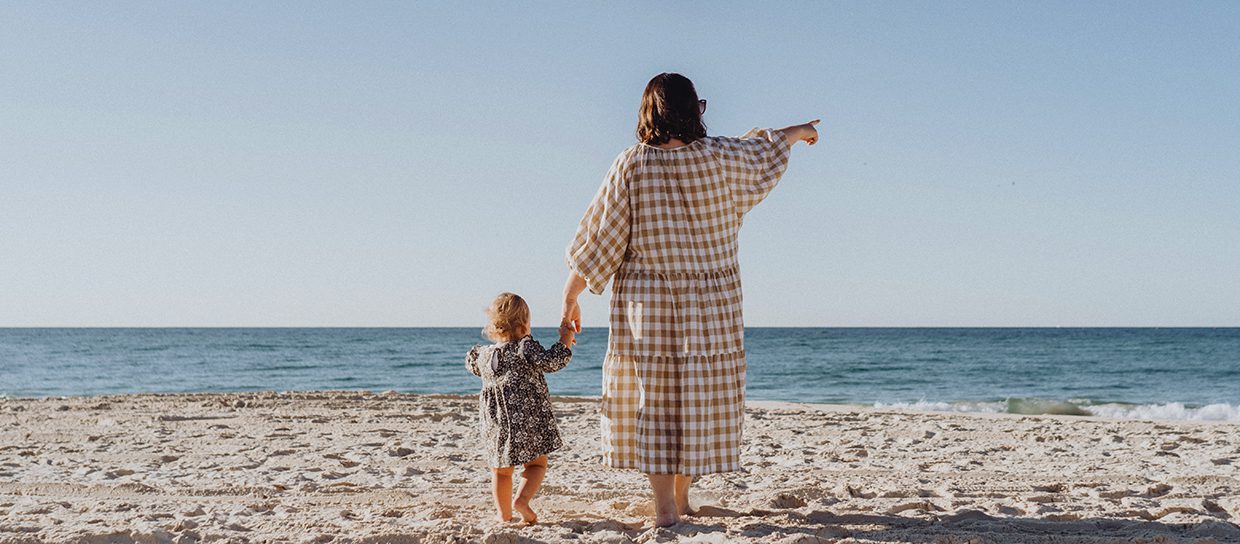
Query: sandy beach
[(386, 467)]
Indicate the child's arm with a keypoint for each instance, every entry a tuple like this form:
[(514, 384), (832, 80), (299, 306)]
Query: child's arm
[(471, 361), (546, 360)]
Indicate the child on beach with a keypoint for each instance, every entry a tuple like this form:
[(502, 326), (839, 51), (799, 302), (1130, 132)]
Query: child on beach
[(515, 416)]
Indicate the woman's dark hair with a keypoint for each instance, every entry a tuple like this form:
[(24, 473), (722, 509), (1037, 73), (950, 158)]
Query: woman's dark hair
[(669, 110)]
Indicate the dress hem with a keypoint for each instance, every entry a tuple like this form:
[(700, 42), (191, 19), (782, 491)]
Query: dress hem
[(623, 465), (536, 456)]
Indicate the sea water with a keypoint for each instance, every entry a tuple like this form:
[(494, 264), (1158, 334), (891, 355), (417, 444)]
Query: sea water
[(1147, 373)]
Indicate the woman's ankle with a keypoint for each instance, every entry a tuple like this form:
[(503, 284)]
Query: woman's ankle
[(666, 519)]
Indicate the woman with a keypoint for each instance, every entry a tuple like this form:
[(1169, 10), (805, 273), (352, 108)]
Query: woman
[(664, 224)]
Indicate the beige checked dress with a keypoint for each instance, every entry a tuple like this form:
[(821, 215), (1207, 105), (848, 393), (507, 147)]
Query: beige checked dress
[(664, 224)]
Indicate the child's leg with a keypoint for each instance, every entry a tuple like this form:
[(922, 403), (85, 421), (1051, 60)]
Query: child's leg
[(531, 479), (682, 495), (501, 489)]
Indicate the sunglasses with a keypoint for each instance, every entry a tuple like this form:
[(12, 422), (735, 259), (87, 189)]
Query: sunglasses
[(702, 106)]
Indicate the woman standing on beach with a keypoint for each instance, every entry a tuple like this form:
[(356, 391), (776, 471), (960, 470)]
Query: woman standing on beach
[(665, 224)]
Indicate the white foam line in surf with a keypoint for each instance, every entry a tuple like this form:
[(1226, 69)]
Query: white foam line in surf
[(1171, 410), (936, 406), (1166, 411)]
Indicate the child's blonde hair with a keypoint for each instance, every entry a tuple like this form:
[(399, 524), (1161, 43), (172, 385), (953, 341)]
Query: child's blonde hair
[(509, 318)]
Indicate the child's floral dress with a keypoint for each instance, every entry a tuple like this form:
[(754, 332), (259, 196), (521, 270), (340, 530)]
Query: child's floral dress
[(514, 406)]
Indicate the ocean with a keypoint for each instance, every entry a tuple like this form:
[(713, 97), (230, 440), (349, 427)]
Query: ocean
[(1143, 373)]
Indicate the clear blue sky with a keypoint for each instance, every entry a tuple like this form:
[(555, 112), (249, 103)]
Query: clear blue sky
[(397, 164)]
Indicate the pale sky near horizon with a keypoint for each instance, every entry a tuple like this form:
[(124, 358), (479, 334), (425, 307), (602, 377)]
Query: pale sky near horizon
[(398, 164)]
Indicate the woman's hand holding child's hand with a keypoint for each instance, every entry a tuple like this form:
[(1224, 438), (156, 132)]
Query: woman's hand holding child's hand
[(567, 334)]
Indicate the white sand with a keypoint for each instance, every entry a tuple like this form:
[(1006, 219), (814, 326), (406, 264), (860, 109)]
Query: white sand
[(360, 467)]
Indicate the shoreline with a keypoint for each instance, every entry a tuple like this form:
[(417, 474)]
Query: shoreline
[(755, 403), (354, 466)]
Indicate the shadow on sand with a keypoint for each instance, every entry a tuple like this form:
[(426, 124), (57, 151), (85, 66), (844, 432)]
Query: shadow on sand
[(966, 526)]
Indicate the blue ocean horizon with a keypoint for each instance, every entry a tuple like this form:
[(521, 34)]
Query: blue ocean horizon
[(1144, 373)]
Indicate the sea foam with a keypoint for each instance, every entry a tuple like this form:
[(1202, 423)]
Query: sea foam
[(1165, 411), (1171, 410)]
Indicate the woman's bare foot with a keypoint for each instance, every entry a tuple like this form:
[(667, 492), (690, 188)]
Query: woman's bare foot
[(683, 508), (666, 513), (682, 484), (665, 510), (527, 514), (666, 520)]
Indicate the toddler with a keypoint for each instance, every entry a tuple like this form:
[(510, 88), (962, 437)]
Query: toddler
[(514, 407)]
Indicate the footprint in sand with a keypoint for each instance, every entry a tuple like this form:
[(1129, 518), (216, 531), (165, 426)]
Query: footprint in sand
[(848, 490), (926, 506), (1063, 516), (1051, 488), (1011, 510), (1114, 494), (1157, 490), (1213, 507), (904, 494), (117, 473), (1168, 510), (786, 501)]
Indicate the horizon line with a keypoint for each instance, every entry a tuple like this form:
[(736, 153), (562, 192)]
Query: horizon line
[(19, 327)]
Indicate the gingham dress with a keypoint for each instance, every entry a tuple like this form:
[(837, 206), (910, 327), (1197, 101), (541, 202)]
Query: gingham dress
[(665, 224)]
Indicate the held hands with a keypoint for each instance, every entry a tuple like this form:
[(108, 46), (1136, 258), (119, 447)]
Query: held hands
[(568, 336), (570, 317), (570, 323)]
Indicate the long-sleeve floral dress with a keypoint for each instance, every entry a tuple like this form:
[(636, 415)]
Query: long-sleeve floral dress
[(514, 407), (664, 224)]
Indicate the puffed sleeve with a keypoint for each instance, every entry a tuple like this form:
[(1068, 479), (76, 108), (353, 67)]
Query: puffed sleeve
[(754, 163), (603, 234), (471, 361), (546, 360)]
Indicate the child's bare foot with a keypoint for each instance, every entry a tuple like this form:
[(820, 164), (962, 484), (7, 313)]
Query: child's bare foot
[(501, 518), (527, 514)]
